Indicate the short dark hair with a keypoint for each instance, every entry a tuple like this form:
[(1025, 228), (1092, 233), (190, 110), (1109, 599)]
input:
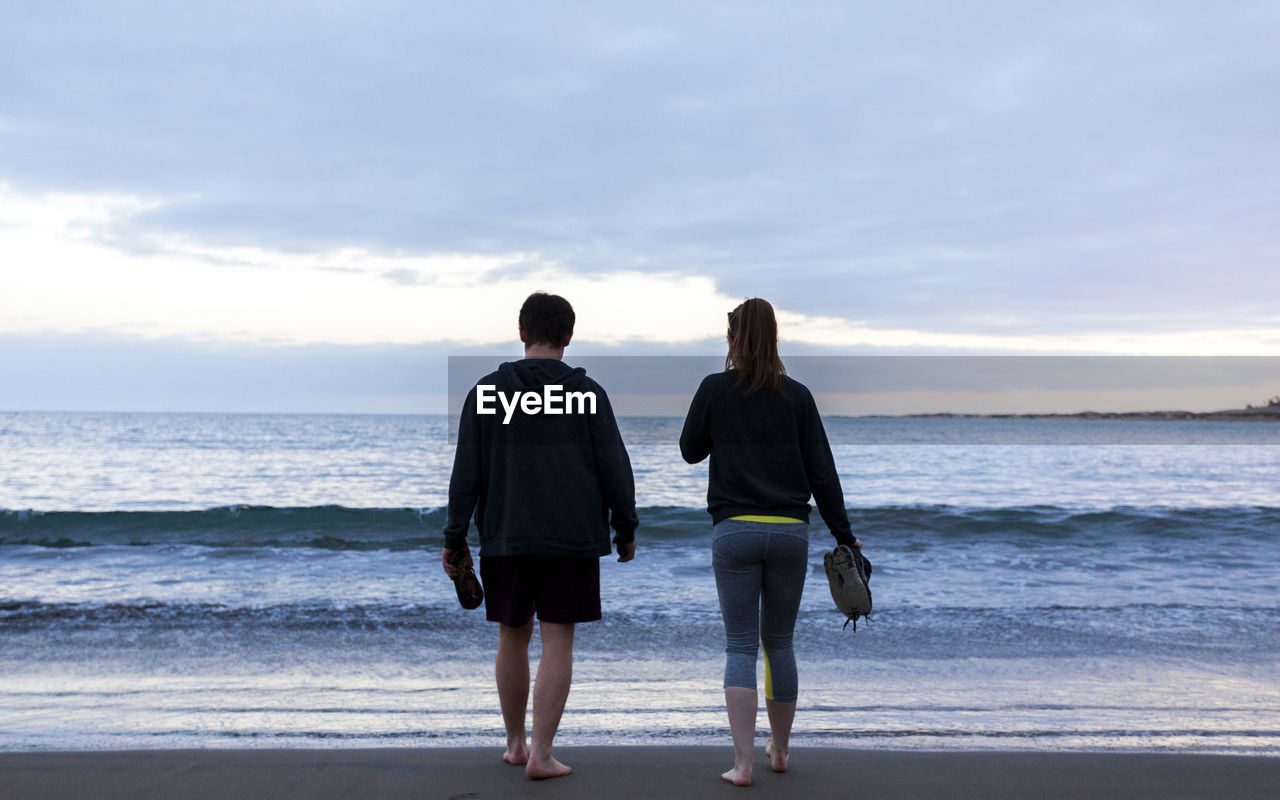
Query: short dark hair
[(546, 319)]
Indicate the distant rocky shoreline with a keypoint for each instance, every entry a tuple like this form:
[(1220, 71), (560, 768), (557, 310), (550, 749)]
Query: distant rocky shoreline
[(1252, 414)]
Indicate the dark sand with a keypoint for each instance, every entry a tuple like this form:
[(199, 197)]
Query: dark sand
[(607, 773)]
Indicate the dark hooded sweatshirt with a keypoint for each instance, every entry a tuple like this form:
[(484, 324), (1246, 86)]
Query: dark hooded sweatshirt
[(541, 484), (768, 451)]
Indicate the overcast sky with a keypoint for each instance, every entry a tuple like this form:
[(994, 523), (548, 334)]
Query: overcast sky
[(319, 185)]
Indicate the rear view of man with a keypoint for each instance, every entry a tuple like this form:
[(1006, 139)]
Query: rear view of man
[(541, 464)]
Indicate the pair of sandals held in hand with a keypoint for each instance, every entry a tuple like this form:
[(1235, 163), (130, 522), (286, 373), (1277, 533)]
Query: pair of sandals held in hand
[(848, 572), (465, 582)]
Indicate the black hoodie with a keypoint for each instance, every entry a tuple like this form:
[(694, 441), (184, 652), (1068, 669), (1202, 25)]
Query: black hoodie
[(769, 452), (540, 484)]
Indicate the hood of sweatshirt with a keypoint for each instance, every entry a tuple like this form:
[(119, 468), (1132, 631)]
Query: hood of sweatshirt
[(534, 373)]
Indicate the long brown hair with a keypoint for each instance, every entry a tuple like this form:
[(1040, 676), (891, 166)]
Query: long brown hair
[(753, 346)]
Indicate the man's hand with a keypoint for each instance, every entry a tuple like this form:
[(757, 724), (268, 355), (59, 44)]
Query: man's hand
[(626, 551), (857, 544), (446, 556)]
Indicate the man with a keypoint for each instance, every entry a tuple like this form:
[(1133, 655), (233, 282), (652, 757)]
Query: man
[(541, 463)]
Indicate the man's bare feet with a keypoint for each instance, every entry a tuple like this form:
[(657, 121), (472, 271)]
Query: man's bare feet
[(739, 775), (516, 754), (777, 757), (550, 768)]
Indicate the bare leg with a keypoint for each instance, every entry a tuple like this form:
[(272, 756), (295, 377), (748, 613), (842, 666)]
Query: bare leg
[(741, 703), (512, 670), (778, 748), (555, 673)]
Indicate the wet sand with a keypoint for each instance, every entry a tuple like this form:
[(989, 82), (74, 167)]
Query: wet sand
[(626, 772)]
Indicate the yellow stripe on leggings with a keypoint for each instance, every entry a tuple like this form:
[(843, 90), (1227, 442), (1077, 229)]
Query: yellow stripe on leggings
[(764, 518), (768, 676)]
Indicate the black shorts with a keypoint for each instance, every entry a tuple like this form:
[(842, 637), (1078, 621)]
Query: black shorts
[(558, 588)]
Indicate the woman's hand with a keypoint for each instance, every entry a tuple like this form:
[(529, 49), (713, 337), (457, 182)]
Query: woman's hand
[(857, 544)]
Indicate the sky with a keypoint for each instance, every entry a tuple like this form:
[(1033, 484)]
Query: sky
[(309, 206)]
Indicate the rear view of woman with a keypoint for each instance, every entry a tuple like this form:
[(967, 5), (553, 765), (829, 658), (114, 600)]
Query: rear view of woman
[(769, 454)]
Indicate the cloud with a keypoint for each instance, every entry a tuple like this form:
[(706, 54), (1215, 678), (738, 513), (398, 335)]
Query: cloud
[(64, 277), (1017, 170)]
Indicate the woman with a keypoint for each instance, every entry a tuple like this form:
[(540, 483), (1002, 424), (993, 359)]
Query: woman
[(769, 453)]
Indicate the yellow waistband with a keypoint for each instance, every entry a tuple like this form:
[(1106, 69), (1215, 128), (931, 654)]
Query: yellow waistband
[(764, 518)]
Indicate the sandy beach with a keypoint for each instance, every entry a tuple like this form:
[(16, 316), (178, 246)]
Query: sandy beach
[(625, 772)]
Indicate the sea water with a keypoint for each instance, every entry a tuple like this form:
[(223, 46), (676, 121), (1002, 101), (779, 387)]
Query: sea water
[(193, 580)]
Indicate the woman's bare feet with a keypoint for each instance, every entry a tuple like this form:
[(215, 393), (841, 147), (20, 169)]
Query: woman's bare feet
[(516, 754), (740, 775), (777, 756), (550, 768)]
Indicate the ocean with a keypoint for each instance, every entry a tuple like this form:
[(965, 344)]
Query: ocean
[(206, 580)]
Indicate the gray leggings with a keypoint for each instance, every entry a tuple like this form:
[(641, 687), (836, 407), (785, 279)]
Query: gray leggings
[(760, 570)]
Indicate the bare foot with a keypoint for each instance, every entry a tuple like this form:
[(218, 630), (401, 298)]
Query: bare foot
[(516, 754), (738, 776), (777, 758), (546, 769)]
